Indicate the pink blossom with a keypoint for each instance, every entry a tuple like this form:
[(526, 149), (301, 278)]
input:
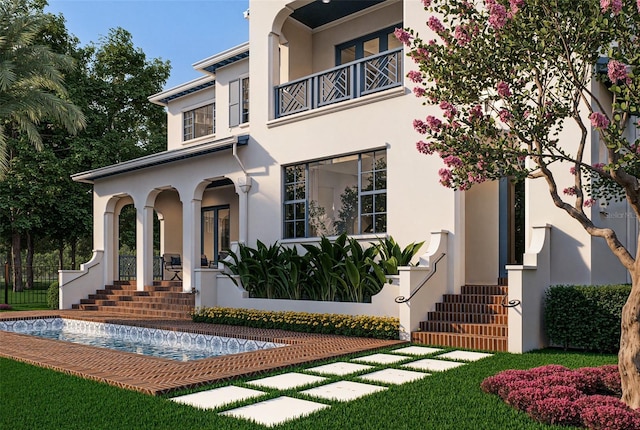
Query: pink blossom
[(617, 71), (445, 177), (424, 147), (426, 3), (589, 203), (403, 36), (462, 35), (504, 115), (503, 89), (497, 14), (435, 24), (420, 55), (599, 167), (475, 113), (452, 161), (450, 110), (599, 120), (614, 5), (572, 170), (638, 4), (414, 76), (419, 91), (419, 126), (434, 123), (570, 191), (515, 5)]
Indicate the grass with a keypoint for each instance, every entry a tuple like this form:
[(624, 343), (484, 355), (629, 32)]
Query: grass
[(33, 397)]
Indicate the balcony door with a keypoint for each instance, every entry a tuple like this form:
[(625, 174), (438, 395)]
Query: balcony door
[(366, 46), (216, 232)]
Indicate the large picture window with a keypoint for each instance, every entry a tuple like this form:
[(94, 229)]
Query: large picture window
[(368, 45), (345, 194), (198, 122)]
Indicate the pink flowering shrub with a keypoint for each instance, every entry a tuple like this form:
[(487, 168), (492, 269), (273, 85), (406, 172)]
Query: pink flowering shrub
[(555, 410), (5, 307), (557, 395)]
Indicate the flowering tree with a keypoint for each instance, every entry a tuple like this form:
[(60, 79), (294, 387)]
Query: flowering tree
[(509, 76)]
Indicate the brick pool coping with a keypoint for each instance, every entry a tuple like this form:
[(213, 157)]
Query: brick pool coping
[(157, 376)]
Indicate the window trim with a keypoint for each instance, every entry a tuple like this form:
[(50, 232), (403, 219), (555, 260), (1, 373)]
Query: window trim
[(374, 192), (193, 108)]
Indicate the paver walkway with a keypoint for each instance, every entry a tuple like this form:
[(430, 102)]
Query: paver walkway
[(158, 376)]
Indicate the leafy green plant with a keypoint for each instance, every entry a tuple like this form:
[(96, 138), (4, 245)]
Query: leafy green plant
[(325, 261), (393, 256)]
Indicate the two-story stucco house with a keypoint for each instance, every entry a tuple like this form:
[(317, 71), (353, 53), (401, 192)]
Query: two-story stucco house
[(306, 130)]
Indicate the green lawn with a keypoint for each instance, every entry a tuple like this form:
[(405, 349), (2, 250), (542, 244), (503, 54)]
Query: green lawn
[(36, 398)]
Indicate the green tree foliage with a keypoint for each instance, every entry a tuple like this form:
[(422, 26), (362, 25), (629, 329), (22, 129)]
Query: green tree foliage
[(510, 76), (31, 79)]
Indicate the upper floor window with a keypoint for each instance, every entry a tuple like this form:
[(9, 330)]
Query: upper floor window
[(368, 45), (345, 194), (198, 122), (239, 102)]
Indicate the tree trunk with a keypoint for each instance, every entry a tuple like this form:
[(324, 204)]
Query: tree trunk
[(16, 250), (29, 268), (60, 255), (629, 354), (74, 249)]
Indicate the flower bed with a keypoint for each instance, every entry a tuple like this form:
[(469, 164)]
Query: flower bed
[(347, 325), (557, 395)]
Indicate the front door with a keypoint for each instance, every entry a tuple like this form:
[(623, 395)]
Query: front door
[(511, 223), (216, 232)]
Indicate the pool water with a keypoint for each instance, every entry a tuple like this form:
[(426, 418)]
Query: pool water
[(174, 345)]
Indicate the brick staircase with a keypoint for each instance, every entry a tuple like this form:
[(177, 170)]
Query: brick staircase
[(474, 319), (164, 299)]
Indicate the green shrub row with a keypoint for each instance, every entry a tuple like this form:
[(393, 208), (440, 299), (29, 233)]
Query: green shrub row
[(347, 325), (585, 317), (339, 270), (53, 295)]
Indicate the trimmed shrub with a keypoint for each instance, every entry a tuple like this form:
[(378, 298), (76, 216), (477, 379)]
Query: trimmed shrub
[(559, 396), (347, 325), (585, 317), (53, 296)]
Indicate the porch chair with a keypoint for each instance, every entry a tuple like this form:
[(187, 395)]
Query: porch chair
[(205, 262), (173, 263)]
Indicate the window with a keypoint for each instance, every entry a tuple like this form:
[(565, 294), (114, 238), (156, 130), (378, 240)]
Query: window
[(198, 122), (368, 45), (238, 102), (345, 194)]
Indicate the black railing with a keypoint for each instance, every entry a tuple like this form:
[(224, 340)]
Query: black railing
[(36, 280), (127, 267), (401, 299), (345, 82)]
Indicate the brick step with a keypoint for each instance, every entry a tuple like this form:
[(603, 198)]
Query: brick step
[(83, 307), (123, 293), (469, 318), (495, 290), (475, 308), (457, 340), (155, 305), (472, 298), (465, 328), (145, 312), (166, 294), (167, 284)]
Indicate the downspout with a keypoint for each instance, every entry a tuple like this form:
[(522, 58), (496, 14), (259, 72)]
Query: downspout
[(245, 185)]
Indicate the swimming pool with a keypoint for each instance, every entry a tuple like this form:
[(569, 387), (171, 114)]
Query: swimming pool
[(174, 345)]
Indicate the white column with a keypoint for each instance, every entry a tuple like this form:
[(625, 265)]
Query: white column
[(144, 247), (110, 261), (242, 188), (190, 242)]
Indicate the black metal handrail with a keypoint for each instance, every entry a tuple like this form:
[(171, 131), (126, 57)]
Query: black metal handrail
[(512, 303), (401, 299)]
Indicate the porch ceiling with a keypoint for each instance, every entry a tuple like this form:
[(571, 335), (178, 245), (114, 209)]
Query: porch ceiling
[(318, 13)]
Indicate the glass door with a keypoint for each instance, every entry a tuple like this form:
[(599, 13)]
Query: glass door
[(216, 232)]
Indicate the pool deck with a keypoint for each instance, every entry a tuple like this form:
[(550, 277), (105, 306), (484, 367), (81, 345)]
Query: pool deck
[(158, 376)]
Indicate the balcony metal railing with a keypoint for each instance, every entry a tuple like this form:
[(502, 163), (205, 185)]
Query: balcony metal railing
[(348, 81), (127, 267)]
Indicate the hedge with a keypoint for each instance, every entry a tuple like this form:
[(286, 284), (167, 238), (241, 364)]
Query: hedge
[(585, 316)]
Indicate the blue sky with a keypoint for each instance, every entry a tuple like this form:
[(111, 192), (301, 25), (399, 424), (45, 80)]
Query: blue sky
[(182, 31)]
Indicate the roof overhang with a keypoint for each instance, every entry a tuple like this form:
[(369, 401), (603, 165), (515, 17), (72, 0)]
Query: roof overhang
[(319, 13), (161, 158), (230, 56), (182, 90)]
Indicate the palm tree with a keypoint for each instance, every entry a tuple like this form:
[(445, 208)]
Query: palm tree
[(31, 80)]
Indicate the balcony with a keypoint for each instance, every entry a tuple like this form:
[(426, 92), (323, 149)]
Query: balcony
[(345, 82)]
